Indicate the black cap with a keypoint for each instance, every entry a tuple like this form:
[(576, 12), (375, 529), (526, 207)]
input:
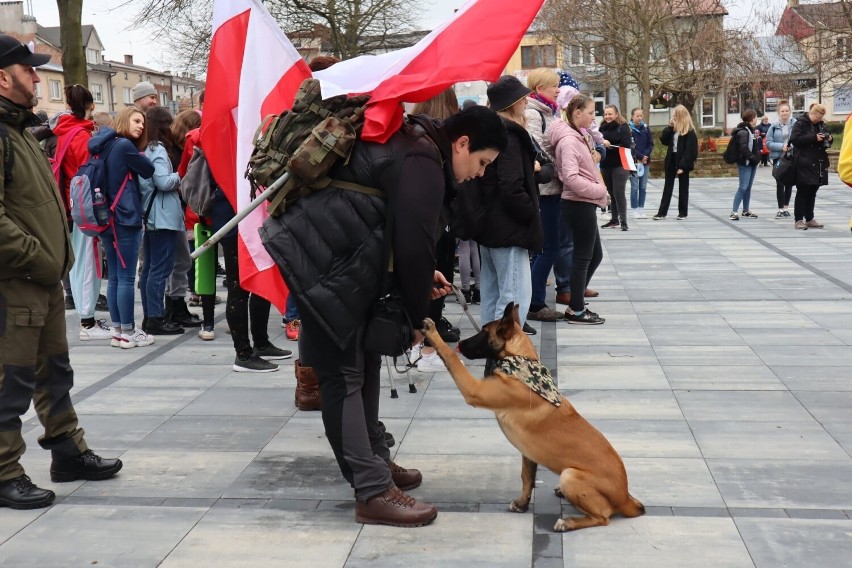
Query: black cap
[(12, 51), (506, 91)]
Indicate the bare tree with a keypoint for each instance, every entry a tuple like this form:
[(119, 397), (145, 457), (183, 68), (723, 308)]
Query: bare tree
[(674, 50), (71, 38), (353, 27)]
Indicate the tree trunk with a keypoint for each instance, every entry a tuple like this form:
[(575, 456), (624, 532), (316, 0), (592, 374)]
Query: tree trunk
[(71, 38)]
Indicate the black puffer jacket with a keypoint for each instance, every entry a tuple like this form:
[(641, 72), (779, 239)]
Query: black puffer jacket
[(500, 209), (811, 158), (329, 245)]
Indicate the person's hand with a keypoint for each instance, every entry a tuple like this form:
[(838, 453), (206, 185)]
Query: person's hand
[(440, 286), (607, 144), (645, 160), (680, 172), (784, 149), (820, 137), (536, 166)]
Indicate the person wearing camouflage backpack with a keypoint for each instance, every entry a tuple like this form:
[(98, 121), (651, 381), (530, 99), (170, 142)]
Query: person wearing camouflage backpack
[(329, 245)]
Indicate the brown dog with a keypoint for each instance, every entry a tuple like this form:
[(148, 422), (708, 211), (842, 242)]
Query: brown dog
[(547, 432)]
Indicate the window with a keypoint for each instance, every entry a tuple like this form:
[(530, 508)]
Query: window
[(97, 92), (708, 112), (164, 98), (55, 90), (125, 76), (140, 77), (127, 95), (533, 56), (799, 102), (92, 56), (600, 102), (38, 90)]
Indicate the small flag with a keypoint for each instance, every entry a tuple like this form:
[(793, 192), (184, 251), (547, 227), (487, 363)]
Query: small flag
[(626, 158)]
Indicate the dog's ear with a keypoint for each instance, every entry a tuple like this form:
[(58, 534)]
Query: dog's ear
[(506, 328), (511, 309)]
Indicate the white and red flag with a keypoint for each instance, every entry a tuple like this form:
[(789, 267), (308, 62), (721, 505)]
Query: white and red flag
[(254, 70)]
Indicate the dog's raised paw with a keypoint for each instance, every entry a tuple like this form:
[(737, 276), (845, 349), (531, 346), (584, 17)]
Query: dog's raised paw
[(428, 325)]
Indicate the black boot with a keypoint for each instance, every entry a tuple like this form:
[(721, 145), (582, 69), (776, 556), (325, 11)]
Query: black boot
[(159, 326), (87, 466), (21, 493), (467, 295), (181, 314), (474, 297)]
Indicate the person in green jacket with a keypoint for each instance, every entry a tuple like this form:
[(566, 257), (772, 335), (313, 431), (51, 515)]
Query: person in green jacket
[(35, 254)]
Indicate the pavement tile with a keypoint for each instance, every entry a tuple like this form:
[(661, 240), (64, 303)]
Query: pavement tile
[(796, 542), (766, 440)]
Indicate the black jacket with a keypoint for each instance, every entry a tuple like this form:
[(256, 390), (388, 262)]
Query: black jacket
[(329, 245), (500, 209), (687, 149), (811, 158), (618, 135), (749, 156)]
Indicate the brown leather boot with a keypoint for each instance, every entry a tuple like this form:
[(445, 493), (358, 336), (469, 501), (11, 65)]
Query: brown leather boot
[(405, 479), (395, 508), (307, 388)]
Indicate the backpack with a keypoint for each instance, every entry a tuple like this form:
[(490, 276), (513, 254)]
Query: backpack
[(732, 152), (305, 141), (57, 159), (198, 187), (90, 207)]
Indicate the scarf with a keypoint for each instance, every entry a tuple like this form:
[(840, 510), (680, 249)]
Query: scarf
[(545, 101), (635, 128), (533, 374)]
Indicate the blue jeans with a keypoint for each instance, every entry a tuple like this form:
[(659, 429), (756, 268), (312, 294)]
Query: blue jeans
[(291, 311), (158, 264), (564, 261), (505, 278), (543, 263), (743, 194), (122, 275), (638, 185)]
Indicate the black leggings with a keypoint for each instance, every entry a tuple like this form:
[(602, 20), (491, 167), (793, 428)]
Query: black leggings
[(241, 303), (581, 219), (783, 193)]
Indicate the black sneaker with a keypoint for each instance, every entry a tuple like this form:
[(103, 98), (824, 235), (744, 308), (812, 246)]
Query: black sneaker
[(21, 493), (101, 305), (786, 213), (253, 364), (588, 317), (220, 270), (88, 466), (749, 214), (447, 332), (529, 330), (272, 353), (69, 303)]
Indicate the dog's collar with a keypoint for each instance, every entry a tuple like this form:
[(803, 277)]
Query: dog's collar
[(533, 374)]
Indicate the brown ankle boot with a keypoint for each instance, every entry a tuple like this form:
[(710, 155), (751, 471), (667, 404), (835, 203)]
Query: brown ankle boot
[(307, 388), (395, 508)]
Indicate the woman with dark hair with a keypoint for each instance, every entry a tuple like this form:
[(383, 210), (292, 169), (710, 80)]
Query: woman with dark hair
[(163, 220), (125, 165), (810, 140), (616, 134), (745, 137), (73, 131)]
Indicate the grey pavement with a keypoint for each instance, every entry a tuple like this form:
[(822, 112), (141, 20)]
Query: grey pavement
[(722, 376)]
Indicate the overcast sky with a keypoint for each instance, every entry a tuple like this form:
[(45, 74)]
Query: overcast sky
[(113, 24)]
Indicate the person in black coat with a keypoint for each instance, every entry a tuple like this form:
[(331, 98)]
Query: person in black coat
[(616, 134), (810, 140), (747, 138), (682, 152)]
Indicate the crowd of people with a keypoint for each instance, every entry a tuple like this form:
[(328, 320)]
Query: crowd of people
[(513, 190)]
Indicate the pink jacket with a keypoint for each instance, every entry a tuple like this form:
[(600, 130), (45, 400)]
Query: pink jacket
[(581, 179)]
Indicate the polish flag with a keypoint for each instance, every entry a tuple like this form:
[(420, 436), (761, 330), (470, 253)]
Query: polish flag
[(254, 71), (626, 159)]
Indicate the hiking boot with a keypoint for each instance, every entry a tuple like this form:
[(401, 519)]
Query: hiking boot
[(395, 508), (801, 225), (586, 317), (272, 353), (447, 332), (159, 326), (21, 493), (88, 466), (253, 364), (814, 224), (101, 305), (307, 388), (405, 479), (291, 329), (69, 305), (98, 331), (545, 314), (529, 330), (749, 214)]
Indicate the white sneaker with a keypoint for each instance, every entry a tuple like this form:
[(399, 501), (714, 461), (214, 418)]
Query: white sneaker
[(642, 214), (99, 331), (207, 333), (430, 363), (414, 354), (139, 338), (122, 341)]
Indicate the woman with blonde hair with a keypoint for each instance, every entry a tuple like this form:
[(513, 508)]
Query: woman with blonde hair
[(810, 140), (121, 149), (681, 154)]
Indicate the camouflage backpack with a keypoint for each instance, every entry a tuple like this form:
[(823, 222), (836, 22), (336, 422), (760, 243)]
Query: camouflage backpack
[(305, 141)]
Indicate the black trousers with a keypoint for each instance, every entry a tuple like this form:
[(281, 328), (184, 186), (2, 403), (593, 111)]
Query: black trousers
[(803, 207), (241, 304), (350, 388), (783, 193), (668, 189), (581, 219), (445, 260), (615, 180)]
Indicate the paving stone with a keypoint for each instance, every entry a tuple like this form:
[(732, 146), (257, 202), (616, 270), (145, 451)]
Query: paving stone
[(766, 440), (796, 542)]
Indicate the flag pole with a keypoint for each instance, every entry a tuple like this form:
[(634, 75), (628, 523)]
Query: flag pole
[(256, 202)]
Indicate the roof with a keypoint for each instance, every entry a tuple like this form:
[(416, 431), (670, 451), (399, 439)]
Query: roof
[(783, 55), (51, 34), (691, 8), (826, 15), (127, 67)]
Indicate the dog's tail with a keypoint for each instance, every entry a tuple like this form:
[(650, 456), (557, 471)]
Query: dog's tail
[(632, 507)]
